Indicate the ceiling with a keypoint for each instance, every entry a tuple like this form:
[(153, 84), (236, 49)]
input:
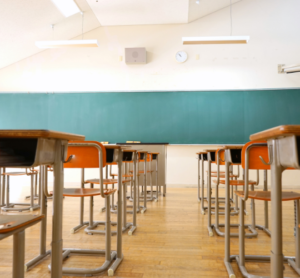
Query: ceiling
[(141, 12), (29, 21), (24, 22)]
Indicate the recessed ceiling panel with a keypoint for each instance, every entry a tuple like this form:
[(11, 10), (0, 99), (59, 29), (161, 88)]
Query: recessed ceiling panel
[(206, 7), (140, 12)]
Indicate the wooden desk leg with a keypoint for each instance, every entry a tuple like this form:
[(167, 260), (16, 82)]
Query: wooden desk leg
[(57, 242), (276, 213), (227, 221), (119, 257), (156, 177), (209, 226), (18, 254), (145, 182), (134, 207), (43, 230), (3, 189)]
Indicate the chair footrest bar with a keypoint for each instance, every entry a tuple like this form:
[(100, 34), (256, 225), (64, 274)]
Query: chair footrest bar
[(79, 226), (114, 266), (90, 272), (253, 258), (38, 259), (247, 235), (90, 230)]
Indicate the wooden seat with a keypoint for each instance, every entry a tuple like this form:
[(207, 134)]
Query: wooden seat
[(142, 172), (9, 223), (124, 176), (17, 173), (86, 192), (215, 172), (266, 195), (15, 225), (236, 182), (106, 181), (223, 176)]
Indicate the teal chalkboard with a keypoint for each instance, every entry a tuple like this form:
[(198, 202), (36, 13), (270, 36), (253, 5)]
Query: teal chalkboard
[(212, 117)]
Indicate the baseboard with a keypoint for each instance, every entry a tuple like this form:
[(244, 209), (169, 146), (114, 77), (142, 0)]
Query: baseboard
[(76, 184), (286, 186)]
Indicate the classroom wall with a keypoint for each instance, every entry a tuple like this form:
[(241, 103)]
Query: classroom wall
[(273, 26), (182, 168)]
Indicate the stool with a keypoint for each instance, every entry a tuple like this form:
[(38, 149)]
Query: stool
[(92, 154), (36, 185), (211, 158), (201, 198), (9, 207), (250, 158), (129, 157), (266, 196)]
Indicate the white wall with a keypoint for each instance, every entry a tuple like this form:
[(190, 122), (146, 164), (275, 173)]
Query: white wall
[(273, 26), (182, 168)]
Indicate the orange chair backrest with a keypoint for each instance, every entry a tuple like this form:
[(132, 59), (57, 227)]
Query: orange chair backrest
[(254, 153), (149, 157), (85, 157), (221, 156)]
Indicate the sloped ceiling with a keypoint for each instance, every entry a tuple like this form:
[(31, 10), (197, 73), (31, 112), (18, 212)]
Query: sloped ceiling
[(24, 22)]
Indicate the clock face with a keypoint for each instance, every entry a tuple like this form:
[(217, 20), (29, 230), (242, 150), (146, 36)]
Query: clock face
[(181, 56)]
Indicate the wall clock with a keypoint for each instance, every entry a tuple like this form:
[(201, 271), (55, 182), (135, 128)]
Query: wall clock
[(181, 56)]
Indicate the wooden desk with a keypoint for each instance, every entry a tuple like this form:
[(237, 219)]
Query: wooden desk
[(283, 145), (42, 147), (160, 148)]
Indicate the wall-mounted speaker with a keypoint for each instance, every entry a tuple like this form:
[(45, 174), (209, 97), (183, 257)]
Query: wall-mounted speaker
[(136, 55)]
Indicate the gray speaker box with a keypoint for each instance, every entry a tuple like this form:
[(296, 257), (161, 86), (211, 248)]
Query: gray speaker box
[(137, 55)]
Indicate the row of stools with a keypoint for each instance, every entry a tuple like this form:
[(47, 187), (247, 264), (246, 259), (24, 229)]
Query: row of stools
[(5, 203), (131, 165), (280, 146)]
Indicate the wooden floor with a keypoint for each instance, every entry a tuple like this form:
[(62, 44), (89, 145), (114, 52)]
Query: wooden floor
[(171, 241)]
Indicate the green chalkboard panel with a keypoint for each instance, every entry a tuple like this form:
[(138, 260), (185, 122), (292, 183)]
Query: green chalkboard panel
[(212, 117)]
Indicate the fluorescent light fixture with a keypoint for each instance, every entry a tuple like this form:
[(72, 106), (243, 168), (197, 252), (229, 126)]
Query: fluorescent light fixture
[(66, 7), (288, 69), (70, 43), (216, 40)]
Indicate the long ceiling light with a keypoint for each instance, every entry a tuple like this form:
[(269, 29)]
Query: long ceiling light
[(72, 43), (219, 39), (66, 7), (288, 69), (67, 43), (216, 40)]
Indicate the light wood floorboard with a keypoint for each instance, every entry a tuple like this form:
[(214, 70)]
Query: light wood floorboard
[(171, 241)]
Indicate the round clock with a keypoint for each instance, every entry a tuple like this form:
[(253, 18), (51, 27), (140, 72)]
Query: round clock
[(181, 56)]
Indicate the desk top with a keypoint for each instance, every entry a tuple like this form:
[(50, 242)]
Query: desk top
[(232, 147), (210, 151), (142, 143), (277, 131), (39, 133), (10, 223), (116, 147), (130, 150)]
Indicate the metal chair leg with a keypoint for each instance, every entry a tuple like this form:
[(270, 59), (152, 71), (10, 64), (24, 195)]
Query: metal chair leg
[(18, 254)]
